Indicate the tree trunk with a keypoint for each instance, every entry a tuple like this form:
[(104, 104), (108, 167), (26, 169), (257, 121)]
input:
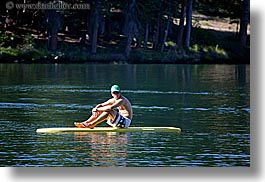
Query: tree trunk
[(244, 22), (181, 24), (138, 32), (165, 36), (157, 31), (53, 42), (129, 39), (188, 23), (108, 28), (146, 35), (95, 29), (129, 16), (89, 24), (53, 23), (108, 23), (131, 26)]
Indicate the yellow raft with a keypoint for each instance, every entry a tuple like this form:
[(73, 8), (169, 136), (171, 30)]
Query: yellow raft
[(109, 129)]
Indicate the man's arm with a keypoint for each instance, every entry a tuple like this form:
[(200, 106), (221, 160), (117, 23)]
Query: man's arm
[(108, 102), (109, 106)]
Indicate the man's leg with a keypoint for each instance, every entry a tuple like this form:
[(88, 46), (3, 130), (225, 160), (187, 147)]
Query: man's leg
[(93, 116), (84, 124), (102, 117)]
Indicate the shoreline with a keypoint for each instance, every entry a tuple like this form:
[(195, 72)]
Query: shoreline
[(36, 56), (120, 62)]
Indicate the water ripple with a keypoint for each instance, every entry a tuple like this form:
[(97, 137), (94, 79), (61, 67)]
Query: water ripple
[(144, 92), (152, 107), (11, 105), (218, 109)]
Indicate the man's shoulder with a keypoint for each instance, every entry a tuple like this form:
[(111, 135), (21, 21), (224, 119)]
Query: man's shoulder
[(125, 99)]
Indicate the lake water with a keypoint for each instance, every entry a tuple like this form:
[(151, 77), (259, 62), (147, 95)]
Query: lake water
[(210, 103)]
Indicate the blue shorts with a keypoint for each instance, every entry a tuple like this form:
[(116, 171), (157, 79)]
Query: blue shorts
[(120, 121)]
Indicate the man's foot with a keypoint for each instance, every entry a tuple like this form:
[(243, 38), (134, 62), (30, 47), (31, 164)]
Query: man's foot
[(82, 125)]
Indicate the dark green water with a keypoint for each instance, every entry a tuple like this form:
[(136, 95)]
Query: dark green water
[(211, 103)]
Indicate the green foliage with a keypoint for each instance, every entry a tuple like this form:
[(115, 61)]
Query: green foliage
[(76, 54), (6, 39), (209, 52), (36, 55), (24, 51), (149, 56), (9, 51), (72, 53), (28, 42), (195, 48), (170, 43)]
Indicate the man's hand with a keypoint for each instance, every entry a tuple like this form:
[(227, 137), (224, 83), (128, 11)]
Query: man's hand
[(95, 112)]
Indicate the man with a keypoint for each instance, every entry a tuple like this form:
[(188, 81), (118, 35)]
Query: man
[(106, 111)]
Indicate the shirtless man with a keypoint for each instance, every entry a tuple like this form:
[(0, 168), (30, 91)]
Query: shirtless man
[(106, 111)]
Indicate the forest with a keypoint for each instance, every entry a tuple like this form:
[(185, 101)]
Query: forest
[(125, 31)]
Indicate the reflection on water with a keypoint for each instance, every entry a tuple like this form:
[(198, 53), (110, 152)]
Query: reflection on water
[(108, 149), (211, 103)]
